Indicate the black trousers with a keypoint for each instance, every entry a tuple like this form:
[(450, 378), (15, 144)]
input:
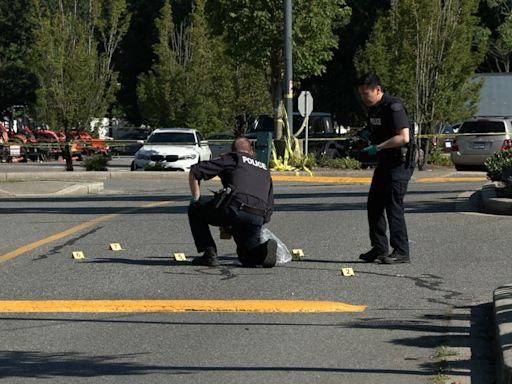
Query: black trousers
[(386, 201), (245, 228)]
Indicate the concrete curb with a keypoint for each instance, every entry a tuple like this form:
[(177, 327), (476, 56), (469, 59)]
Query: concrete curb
[(503, 319), (493, 204), (75, 189), (81, 189)]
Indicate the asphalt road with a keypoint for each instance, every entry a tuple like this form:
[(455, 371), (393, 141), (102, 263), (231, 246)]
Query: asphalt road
[(428, 320)]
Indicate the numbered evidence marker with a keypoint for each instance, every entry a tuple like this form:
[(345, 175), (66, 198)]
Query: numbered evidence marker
[(78, 255), (347, 272), (180, 256), (115, 247), (297, 254)]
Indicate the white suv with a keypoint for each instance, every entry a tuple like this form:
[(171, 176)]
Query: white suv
[(172, 148), (478, 138)]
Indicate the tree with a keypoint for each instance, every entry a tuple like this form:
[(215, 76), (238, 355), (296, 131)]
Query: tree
[(335, 90), (427, 52), (253, 30), (192, 82), (499, 20), (17, 83), (74, 43), (157, 94)]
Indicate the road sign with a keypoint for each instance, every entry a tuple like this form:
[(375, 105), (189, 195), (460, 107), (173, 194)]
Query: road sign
[(305, 103)]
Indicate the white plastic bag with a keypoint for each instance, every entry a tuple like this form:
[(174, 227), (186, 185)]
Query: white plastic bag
[(283, 255)]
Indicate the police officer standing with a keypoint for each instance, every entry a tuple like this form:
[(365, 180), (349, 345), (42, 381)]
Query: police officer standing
[(391, 141), (244, 204)]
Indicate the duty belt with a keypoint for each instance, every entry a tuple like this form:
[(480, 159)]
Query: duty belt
[(246, 208)]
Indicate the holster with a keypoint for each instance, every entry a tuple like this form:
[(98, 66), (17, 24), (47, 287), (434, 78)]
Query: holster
[(223, 197)]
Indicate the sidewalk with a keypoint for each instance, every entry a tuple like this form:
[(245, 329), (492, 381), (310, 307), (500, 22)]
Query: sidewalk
[(25, 184)]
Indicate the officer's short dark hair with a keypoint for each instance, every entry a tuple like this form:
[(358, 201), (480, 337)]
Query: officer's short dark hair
[(370, 80), (241, 144)]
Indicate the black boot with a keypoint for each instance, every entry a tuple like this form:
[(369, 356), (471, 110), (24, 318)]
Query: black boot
[(372, 255), (209, 259), (271, 254)]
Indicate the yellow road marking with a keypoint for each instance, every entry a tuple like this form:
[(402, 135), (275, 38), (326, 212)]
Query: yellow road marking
[(448, 179), (57, 236), (154, 306)]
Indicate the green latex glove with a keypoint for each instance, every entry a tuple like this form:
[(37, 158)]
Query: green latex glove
[(371, 150), (194, 200)]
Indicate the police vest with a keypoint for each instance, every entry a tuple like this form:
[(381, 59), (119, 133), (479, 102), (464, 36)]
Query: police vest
[(252, 181), (382, 128)]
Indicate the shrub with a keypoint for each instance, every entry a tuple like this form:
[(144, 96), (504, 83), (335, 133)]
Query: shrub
[(341, 162), (496, 164), (97, 162), (437, 157)]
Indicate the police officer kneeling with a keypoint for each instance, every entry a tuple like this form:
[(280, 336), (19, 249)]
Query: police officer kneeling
[(244, 204)]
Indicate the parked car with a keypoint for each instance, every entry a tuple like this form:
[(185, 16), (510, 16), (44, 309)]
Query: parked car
[(220, 142), (129, 148), (444, 143), (172, 148), (480, 138)]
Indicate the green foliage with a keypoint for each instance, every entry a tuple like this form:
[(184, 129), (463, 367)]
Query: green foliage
[(72, 58), (97, 162), (426, 52), (194, 83), (253, 30), (17, 83), (437, 157), (497, 16), (341, 163), (497, 163)]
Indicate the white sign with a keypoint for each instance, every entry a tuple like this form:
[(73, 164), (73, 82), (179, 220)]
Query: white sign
[(305, 103), (15, 150)]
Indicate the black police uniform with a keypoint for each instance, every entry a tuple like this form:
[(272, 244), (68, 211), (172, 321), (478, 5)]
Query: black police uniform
[(390, 178), (250, 206)]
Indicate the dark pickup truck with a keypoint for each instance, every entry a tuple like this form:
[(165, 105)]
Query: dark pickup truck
[(323, 139)]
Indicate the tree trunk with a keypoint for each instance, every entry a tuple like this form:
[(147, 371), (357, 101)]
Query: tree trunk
[(66, 154)]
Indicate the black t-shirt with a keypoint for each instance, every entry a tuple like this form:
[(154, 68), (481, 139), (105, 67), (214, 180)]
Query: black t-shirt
[(250, 177)]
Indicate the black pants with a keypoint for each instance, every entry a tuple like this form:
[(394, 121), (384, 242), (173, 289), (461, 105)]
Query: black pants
[(245, 228), (385, 200)]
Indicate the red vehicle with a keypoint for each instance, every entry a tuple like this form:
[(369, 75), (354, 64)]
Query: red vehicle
[(18, 146)]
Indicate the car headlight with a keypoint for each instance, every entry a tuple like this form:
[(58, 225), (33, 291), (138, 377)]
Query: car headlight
[(142, 156), (190, 156)]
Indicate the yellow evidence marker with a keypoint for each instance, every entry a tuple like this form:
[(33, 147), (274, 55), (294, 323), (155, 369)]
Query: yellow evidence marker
[(115, 247), (347, 272), (297, 254), (78, 255), (180, 256)]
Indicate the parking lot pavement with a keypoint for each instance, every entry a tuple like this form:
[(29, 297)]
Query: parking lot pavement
[(62, 183)]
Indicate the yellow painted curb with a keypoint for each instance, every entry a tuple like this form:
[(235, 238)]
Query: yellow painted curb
[(323, 179), (155, 306), (448, 179)]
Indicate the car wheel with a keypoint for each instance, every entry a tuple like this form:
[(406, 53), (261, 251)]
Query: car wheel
[(132, 166)]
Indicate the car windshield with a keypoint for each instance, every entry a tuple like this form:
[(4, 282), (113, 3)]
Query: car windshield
[(172, 138), (482, 127)]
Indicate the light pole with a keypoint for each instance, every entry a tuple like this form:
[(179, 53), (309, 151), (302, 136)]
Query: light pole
[(288, 62)]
